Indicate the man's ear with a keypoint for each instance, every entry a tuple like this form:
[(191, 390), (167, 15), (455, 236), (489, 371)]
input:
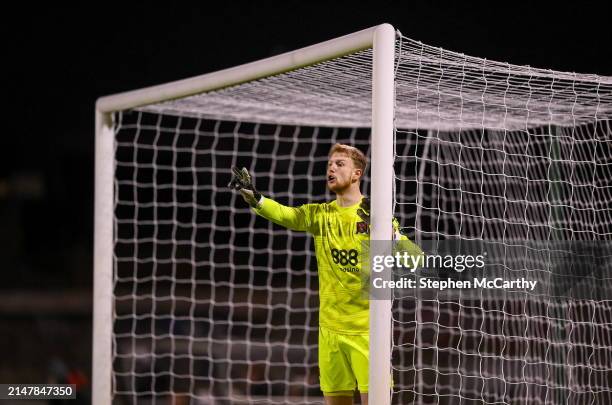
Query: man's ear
[(358, 173)]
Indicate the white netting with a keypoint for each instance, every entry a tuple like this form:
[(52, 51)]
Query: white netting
[(435, 89), (213, 303), (521, 157), (520, 189)]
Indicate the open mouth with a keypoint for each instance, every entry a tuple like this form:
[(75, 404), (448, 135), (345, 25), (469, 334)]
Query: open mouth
[(331, 178)]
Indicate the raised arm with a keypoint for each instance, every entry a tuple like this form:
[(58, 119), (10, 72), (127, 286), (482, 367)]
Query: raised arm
[(295, 218)]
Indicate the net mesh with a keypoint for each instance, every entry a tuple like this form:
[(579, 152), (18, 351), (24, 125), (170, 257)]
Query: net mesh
[(435, 89), (522, 157), (216, 305), (212, 303)]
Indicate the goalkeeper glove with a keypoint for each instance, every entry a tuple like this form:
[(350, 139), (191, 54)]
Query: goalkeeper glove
[(242, 181), (364, 210), (364, 213)]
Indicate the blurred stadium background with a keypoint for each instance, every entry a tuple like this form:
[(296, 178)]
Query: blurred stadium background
[(58, 61)]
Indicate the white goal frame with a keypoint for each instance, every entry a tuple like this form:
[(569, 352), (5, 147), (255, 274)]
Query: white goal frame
[(381, 39)]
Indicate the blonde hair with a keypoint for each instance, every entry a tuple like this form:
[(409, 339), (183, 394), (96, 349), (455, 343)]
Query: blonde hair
[(357, 156)]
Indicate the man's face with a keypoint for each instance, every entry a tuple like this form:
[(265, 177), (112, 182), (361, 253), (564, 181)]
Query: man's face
[(341, 172)]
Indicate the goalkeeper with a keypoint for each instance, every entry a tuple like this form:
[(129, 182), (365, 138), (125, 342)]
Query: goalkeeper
[(339, 228)]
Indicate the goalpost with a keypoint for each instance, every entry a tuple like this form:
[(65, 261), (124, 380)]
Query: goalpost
[(195, 297), (383, 36)]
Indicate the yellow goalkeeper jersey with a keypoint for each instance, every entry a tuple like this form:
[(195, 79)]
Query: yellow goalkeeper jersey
[(338, 234)]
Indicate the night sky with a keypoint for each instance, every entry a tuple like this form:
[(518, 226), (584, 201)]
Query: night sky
[(58, 61)]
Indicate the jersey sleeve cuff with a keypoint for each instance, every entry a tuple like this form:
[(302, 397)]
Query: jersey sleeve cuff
[(259, 204)]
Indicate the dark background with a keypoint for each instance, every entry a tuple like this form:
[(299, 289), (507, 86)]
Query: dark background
[(58, 61)]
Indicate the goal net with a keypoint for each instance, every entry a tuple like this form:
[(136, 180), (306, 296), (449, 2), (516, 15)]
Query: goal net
[(519, 158), (212, 304)]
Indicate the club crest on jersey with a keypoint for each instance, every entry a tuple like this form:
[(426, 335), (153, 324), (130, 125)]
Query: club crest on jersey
[(362, 227)]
